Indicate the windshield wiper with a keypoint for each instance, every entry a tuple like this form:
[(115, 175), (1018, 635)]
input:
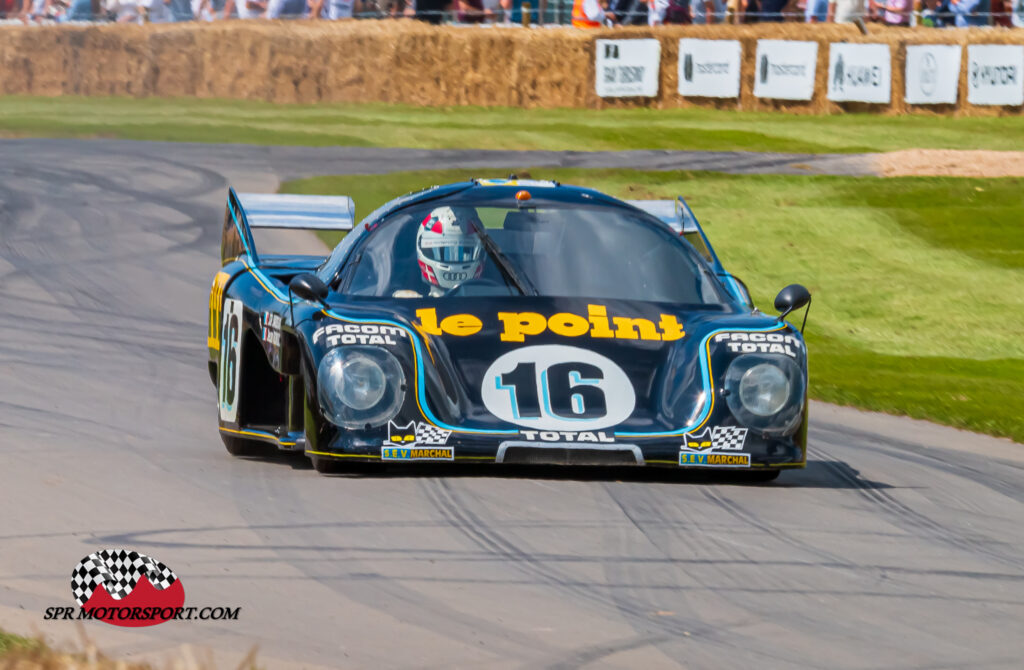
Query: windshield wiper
[(504, 264)]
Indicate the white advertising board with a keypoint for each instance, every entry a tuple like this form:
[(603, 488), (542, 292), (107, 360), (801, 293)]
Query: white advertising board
[(785, 69), (994, 74), (709, 68), (932, 74), (859, 73), (627, 68)]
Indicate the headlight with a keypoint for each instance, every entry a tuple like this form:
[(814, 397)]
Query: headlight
[(765, 392), (764, 389), (360, 387)]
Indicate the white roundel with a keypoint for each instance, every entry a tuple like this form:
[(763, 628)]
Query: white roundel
[(555, 387)]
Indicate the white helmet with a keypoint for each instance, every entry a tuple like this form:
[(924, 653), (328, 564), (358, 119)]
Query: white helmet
[(448, 250)]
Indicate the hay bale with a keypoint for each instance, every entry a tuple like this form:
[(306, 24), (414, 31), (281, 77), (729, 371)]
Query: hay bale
[(411, 62)]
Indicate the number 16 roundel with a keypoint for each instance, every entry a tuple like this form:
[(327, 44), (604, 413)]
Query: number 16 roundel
[(555, 387)]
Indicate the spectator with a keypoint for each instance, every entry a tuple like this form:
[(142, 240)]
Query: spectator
[(82, 10), (662, 12), (589, 14), (470, 11), (968, 13), (207, 10), (431, 11), (816, 11), (708, 11), (124, 11), (514, 10), (630, 12), (180, 10), (845, 11), (771, 10), (285, 9), (892, 12), (336, 9), (245, 9)]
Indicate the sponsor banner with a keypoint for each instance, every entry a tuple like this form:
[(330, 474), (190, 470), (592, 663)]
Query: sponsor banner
[(713, 460), (785, 69), (932, 74), (994, 74), (709, 68), (859, 73), (566, 436), (627, 68), (357, 333), (417, 453), (761, 343), (517, 326)]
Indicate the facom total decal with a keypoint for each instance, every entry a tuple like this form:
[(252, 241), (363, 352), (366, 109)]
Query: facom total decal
[(553, 387)]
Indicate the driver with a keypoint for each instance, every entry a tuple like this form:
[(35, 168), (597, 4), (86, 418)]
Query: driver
[(448, 249)]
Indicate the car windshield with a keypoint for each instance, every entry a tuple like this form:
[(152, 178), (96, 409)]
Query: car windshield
[(559, 251)]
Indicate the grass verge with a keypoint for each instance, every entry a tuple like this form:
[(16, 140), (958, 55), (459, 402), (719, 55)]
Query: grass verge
[(918, 282), (380, 125)]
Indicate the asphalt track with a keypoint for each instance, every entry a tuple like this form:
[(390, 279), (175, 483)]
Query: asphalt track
[(900, 546)]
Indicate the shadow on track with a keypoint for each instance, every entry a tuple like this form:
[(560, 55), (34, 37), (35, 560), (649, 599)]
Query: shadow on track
[(818, 474)]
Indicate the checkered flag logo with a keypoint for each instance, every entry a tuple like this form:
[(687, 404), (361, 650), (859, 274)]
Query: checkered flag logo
[(118, 571), (431, 435), (728, 438), (720, 438)]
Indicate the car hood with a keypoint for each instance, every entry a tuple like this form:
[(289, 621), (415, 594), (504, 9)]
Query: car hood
[(555, 363)]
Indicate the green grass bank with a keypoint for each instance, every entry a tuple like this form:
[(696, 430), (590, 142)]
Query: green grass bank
[(380, 125)]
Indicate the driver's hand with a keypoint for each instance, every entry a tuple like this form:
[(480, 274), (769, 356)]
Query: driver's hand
[(406, 293)]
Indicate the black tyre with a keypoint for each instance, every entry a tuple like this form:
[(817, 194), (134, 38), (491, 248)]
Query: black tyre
[(760, 476), (325, 465), (238, 446)]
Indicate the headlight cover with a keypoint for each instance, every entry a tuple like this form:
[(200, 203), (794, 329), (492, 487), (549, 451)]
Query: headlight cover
[(765, 392), (360, 387)]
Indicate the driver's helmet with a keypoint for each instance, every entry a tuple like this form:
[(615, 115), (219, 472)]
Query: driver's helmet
[(447, 248)]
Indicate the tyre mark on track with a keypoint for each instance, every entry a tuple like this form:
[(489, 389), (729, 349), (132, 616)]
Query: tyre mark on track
[(449, 503), (908, 518)]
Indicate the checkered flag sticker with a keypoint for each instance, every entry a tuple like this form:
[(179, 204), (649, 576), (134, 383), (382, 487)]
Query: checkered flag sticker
[(118, 572), (720, 438), (728, 438), (431, 435)]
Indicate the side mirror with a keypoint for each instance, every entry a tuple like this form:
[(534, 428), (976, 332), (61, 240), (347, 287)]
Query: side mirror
[(309, 287), (792, 297)]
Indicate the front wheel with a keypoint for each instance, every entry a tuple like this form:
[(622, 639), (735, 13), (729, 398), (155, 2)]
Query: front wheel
[(238, 446), (760, 476), (325, 465)]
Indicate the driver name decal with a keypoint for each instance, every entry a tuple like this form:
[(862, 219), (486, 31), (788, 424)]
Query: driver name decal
[(517, 326)]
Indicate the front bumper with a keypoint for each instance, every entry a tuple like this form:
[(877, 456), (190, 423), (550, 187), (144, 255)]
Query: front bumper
[(757, 452)]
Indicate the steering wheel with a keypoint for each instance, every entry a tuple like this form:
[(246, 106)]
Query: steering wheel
[(480, 286)]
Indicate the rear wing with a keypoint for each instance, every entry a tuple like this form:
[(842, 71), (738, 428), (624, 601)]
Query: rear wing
[(246, 211), (678, 216)]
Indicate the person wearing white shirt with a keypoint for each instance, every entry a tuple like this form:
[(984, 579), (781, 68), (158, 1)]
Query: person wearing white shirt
[(845, 11)]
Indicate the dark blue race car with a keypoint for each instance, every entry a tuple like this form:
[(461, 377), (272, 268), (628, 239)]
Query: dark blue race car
[(501, 321)]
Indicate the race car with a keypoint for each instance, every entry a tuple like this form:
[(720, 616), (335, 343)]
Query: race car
[(501, 321)]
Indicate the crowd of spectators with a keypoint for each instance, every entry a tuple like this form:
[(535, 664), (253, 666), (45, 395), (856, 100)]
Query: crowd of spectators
[(581, 13)]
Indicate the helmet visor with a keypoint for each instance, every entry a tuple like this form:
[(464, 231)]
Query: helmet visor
[(453, 253)]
